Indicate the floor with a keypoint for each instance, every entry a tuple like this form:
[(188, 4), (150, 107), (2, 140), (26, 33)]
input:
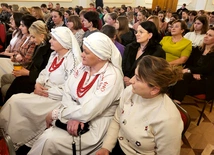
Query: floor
[(200, 139)]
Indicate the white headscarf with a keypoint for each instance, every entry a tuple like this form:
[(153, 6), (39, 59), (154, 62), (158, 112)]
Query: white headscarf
[(103, 47), (66, 38)]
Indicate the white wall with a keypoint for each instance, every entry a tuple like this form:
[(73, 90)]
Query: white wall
[(207, 5)]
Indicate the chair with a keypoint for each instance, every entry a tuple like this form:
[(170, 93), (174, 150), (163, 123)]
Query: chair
[(6, 144), (186, 120), (202, 97), (2, 36)]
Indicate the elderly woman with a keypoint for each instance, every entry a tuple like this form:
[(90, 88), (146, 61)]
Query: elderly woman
[(23, 115), (177, 48), (91, 95), (25, 78), (146, 120), (147, 44)]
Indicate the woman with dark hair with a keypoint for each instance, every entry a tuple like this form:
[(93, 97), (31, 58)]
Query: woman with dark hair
[(23, 53), (141, 17), (56, 20), (146, 120), (124, 33), (67, 13), (162, 23), (91, 22), (146, 44), (198, 30), (75, 25), (199, 72), (16, 36), (177, 48)]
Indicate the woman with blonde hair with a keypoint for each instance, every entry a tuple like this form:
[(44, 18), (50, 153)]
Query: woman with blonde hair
[(37, 13), (24, 10), (155, 20)]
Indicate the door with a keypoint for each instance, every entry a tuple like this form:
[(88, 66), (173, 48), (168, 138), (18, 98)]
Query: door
[(165, 5)]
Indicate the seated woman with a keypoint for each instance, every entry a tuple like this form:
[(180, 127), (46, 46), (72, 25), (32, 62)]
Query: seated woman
[(111, 19), (91, 95), (199, 74), (26, 77), (198, 31), (146, 120), (23, 115), (56, 19), (141, 17), (91, 22), (147, 44), (124, 33), (16, 36), (24, 51), (177, 48), (75, 25)]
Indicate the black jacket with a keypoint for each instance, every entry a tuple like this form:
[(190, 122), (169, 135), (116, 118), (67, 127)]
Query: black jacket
[(129, 61)]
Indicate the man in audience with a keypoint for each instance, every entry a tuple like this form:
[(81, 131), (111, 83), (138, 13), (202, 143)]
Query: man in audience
[(4, 15), (45, 11), (57, 6), (211, 19), (180, 10), (50, 6)]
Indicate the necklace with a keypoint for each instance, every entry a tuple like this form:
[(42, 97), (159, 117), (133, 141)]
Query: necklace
[(81, 91), (54, 65)]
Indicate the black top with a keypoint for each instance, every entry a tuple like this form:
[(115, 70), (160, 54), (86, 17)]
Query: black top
[(129, 61), (201, 64), (128, 37)]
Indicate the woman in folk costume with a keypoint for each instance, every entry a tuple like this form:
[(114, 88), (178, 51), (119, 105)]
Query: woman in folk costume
[(23, 115), (91, 95)]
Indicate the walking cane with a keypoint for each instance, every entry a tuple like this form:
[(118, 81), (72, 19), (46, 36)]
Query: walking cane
[(74, 146)]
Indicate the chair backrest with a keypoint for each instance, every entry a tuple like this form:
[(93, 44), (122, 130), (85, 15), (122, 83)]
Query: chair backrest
[(6, 144), (2, 36), (185, 117)]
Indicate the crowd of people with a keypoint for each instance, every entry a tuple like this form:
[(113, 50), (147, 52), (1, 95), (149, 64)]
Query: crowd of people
[(114, 73)]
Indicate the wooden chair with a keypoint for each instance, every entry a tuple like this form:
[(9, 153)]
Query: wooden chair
[(6, 144), (202, 97), (186, 120)]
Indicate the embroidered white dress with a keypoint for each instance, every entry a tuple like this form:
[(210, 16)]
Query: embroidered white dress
[(145, 126), (97, 107), (23, 115)]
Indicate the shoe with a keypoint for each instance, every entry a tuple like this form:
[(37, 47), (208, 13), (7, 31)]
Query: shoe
[(23, 150)]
